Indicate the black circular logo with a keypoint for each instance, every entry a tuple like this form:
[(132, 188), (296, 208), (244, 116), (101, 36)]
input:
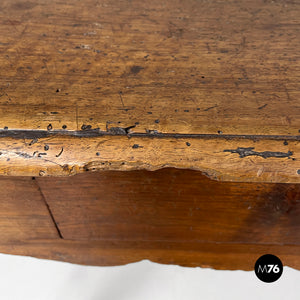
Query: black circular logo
[(268, 268)]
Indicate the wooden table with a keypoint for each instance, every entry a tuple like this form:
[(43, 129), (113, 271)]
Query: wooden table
[(188, 111)]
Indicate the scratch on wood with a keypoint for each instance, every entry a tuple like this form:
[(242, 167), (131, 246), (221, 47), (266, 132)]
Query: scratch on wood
[(243, 152), (210, 108), (33, 142), (260, 171), (263, 106), (101, 142), (40, 154), (60, 153), (120, 94)]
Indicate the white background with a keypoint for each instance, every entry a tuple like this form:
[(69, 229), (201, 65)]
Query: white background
[(34, 279)]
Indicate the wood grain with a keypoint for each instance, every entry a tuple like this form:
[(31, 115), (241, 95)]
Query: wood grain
[(204, 68), (260, 160), (196, 66), (23, 213), (112, 85), (172, 205), (168, 216)]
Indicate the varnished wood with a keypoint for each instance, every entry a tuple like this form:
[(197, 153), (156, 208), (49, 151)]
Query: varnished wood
[(167, 216), (216, 68), (116, 218), (23, 213), (173, 206)]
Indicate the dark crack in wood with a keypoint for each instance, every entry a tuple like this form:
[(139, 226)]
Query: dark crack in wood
[(49, 211)]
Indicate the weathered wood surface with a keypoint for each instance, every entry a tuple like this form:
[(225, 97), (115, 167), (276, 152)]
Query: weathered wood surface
[(212, 69), (168, 216), (217, 158)]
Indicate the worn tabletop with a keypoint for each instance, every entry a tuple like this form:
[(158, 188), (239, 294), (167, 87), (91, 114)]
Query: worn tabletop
[(206, 85)]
